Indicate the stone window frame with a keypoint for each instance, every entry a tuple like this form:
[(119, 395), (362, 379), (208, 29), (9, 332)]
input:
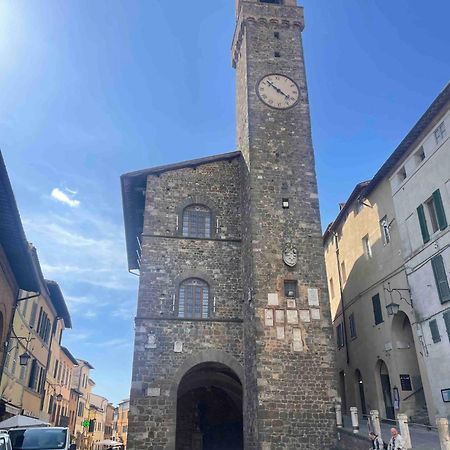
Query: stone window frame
[(191, 201), (199, 276)]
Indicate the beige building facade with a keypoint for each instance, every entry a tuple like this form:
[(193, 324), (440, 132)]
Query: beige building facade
[(388, 268), (82, 384), (122, 421), (17, 273), (376, 352), (38, 322)]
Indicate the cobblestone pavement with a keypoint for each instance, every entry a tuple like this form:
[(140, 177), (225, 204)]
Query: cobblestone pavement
[(421, 437)]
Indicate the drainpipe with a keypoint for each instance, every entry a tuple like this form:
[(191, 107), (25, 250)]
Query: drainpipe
[(341, 290)]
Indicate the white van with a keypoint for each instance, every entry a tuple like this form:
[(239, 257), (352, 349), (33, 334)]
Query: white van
[(41, 438), (5, 441)]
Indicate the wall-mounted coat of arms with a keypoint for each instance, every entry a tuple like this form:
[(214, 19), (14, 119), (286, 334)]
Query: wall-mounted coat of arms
[(290, 256)]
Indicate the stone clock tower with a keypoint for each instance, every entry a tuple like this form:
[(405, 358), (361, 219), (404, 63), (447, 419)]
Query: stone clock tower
[(290, 365), (233, 346)]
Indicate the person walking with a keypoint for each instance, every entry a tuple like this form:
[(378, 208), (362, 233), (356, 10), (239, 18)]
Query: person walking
[(377, 442), (396, 442)]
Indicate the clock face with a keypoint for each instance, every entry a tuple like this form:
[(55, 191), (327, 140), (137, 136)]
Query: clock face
[(278, 91)]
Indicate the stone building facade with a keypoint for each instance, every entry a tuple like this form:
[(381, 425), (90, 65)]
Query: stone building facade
[(233, 344)]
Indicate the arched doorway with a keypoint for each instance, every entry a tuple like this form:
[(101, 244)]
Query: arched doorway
[(409, 381), (360, 390), (386, 390), (209, 409)]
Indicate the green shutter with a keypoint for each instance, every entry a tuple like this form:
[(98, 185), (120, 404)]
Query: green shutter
[(377, 313), (447, 322), (423, 224), (440, 212), (434, 331), (441, 278)]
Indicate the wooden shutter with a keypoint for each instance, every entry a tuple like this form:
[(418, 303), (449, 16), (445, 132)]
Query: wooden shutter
[(440, 212), (423, 224), (32, 381), (33, 315), (447, 322), (377, 313), (434, 331), (440, 277)]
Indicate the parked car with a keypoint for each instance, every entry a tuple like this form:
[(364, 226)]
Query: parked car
[(41, 438)]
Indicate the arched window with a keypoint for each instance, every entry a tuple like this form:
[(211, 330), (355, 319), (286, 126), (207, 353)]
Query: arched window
[(193, 299), (197, 221)]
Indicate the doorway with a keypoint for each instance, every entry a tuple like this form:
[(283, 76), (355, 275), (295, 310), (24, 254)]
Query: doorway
[(386, 390), (209, 409)]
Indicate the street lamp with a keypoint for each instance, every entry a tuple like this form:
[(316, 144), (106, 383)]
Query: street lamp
[(393, 307), (23, 358), (59, 397)]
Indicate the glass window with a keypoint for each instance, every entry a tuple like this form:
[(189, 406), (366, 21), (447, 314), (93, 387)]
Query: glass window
[(197, 221), (343, 272), (290, 288), (80, 409), (401, 175), (367, 247), (385, 232), (340, 335), (352, 325), (38, 438), (331, 288), (431, 210), (193, 301), (420, 155), (440, 133)]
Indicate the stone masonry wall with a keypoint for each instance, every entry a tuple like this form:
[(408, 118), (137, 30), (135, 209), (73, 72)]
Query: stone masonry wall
[(294, 353), (165, 346)]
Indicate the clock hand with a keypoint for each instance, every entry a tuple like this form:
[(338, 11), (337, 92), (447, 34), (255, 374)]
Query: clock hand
[(278, 90)]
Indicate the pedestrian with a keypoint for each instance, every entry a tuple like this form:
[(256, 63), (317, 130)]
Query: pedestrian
[(396, 442), (377, 442)]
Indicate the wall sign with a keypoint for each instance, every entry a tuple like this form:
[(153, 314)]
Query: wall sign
[(445, 395), (405, 381)]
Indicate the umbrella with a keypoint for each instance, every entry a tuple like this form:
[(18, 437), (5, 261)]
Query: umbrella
[(22, 421), (109, 443)]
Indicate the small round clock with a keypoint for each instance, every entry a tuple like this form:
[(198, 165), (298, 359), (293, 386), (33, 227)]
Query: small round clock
[(278, 91)]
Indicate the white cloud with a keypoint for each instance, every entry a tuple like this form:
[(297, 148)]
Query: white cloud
[(62, 197), (89, 250)]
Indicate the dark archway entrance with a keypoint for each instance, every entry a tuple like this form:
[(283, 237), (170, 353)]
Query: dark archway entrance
[(209, 409)]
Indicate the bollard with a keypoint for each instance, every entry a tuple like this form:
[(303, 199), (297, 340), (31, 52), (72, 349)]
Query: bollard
[(375, 419), (355, 420), (403, 426), (444, 435), (338, 409)]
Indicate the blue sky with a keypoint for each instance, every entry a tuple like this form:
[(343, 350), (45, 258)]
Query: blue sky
[(93, 89)]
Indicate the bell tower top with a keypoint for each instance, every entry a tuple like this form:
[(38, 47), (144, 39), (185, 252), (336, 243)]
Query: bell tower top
[(272, 2)]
